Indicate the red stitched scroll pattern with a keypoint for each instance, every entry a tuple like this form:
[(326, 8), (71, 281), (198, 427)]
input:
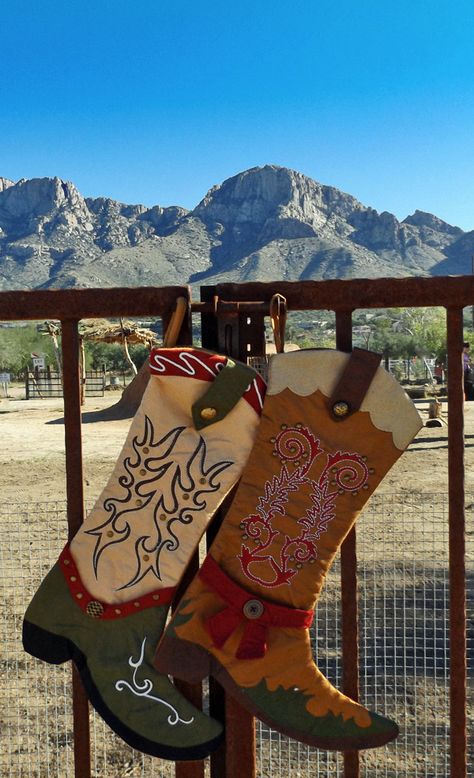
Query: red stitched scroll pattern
[(281, 554)]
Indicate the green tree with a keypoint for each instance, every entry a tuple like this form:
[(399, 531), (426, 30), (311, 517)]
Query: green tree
[(403, 332), (112, 356), (18, 343)]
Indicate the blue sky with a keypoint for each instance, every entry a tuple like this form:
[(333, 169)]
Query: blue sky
[(152, 102)]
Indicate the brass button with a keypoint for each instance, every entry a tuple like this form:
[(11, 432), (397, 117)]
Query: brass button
[(79, 596), (340, 409), (253, 609), (95, 609), (118, 611), (156, 596), (208, 413), (66, 561), (73, 578), (136, 604)]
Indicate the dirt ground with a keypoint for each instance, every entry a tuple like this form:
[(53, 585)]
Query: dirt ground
[(32, 450)]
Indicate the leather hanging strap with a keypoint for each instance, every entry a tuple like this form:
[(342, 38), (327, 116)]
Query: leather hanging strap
[(170, 338), (354, 383), (278, 311)]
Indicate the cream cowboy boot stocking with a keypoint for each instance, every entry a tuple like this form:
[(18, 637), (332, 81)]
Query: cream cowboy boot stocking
[(105, 602)]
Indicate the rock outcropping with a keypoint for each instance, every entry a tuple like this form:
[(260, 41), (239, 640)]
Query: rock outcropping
[(263, 224)]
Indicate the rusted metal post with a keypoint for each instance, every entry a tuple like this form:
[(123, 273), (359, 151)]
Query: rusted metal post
[(240, 741), (75, 517), (237, 759), (457, 571), (349, 584), (240, 725)]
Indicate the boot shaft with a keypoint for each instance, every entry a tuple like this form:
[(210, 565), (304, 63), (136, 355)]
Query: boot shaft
[(311, 471), (170, 476)]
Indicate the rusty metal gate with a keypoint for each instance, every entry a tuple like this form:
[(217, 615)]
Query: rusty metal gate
[(42, 384), (232, 321)]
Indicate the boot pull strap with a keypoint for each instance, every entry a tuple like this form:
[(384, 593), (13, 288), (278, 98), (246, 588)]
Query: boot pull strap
[(353, 384), (223, 394), (278, 311)]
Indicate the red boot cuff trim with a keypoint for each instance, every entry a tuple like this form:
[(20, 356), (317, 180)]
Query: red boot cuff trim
[(243, 607), (203, 365), (102, 610)]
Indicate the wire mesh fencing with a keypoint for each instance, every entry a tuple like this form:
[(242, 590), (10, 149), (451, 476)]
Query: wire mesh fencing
[(403, 661)]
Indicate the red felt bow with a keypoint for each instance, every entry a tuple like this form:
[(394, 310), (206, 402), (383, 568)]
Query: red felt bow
[(242, 607)]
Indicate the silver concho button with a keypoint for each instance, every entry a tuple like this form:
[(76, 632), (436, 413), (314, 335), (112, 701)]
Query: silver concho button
[(253, 609), (340, 409)]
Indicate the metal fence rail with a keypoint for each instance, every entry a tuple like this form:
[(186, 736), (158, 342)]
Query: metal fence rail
[(415, 664)]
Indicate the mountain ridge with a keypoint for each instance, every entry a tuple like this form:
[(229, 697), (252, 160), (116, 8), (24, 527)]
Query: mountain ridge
[(265, 223)]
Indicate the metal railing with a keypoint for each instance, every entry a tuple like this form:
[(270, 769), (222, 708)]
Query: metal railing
[(232, 321)]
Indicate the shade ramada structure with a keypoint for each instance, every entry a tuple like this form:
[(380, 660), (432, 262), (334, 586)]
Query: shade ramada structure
[(126, 333)]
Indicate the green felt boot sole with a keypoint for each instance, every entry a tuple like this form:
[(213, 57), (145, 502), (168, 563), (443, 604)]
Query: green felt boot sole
[(114, 658)]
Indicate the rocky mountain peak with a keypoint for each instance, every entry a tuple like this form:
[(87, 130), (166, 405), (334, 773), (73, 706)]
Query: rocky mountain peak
[(424, 219), (42, 206), (270, 203), (265, 223), (5, 183), (164, 220), (247, 200), (39, 197), (272, 191)]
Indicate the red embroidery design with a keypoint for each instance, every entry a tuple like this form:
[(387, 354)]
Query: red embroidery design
[(282, 554)]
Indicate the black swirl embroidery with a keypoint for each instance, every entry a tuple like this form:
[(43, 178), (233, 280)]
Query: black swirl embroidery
[(171, 504)]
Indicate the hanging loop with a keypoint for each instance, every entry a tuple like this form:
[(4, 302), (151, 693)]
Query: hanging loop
[(174, 327), (278, 312)]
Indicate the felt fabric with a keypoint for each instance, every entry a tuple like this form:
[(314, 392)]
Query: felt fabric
[(306, 480), (104, 603), (256, 615), (170, 477)]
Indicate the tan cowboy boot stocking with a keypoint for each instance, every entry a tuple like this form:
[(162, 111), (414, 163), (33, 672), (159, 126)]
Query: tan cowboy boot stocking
[(104, 603), (332, 426)]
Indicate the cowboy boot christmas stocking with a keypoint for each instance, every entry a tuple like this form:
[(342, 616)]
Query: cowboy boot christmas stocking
[(332, 426), (105, 602)]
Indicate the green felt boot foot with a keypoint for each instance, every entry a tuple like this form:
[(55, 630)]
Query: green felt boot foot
[(114, 658), (286, 710)]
